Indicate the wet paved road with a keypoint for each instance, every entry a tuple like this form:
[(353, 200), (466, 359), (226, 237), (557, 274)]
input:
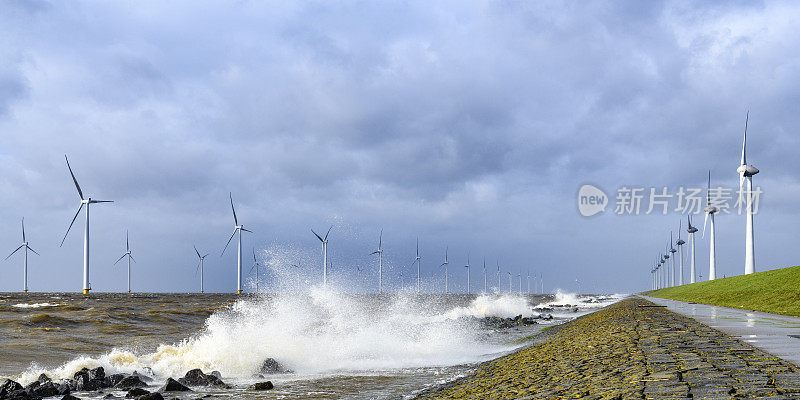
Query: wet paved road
[(768, 332)]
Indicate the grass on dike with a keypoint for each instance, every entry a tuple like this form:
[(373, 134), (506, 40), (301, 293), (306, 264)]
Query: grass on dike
[(776, 291)]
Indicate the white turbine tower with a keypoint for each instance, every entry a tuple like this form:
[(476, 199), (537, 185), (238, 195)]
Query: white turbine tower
[(200, 262), (484, 275), (691, 231), (499, 277), (467, 267), (25, 262), (237, 228), (680, 244), (417, 261), (672, 251), (528, 278), (670, 280), (379, 252), (256, 266), (444, 264), (712, 253), (87, 201), (130, 257), (746, 173), (510, 283), (324, 242)]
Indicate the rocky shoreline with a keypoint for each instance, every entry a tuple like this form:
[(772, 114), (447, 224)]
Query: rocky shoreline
[(630, 350), (135, 386)]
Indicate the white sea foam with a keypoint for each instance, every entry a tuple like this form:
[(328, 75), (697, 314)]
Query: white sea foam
[(36, 305), (318, 333)]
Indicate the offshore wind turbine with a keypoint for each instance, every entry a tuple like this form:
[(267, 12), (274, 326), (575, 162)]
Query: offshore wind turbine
[(746, 173), (25, 262), (691, 231), (87, 201), (256, 265), (467, 267), (510, 285), (324, 255), (680, 244), (130, 257), (379, 252), (200, 262), (499, 288), (417, 261), (484, 275), (712, 253), (444, 264), (237, 228)]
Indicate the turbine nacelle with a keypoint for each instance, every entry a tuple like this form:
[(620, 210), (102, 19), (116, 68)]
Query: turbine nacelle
[(691, 229), (680, 242), (747, 170), (711, 210)]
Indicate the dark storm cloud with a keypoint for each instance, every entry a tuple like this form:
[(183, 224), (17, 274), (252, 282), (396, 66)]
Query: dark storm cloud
[(469, 124)]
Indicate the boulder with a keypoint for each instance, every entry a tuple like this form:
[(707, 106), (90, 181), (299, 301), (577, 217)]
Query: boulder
[(85, 384), (261, 386), (32, 386), (144, 378), (21, 394), (271, 366), (216, 373), (9, 386), (113, 379), (69, 397), (196, 377), (130, 382), (151, 396), (173, 386), (82, 371), (97, 373), (65, 387), (47, 389), (136, 392), (43, 378)]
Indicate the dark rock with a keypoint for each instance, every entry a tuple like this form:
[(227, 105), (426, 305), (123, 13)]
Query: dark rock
[(151, 396), (110, 396), (130, 382), (8, 387), (65, 387), (97, 373), (261, 386), (47, 389), (69, 397), (113, 379), (44, 378), (136, 392), (21, 394), (216, 373), (270, 366), (83, 371), (32, 386), (84, 384), (173, 386), (196, 377)]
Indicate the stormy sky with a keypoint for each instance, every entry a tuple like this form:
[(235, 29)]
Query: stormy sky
[(470, 125)]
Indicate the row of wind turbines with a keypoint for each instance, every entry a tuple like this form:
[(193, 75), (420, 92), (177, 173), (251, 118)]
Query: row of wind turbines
[(663, 276), (87, 201)]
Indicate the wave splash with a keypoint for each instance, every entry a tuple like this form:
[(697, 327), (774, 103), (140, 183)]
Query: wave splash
[(319, 332)]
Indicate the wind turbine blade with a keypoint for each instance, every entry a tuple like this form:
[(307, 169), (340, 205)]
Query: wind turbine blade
[(374, 252), (417, 246), (70, 224), (12, 253), (102, 201), (205, 255), (127, 241), (120, 259), (131, 256), (229, 242), (704, 226), (318, 236), (23, 230), (198, 253), (254, 256), (328, 233), (744, 141), (380, 240), (246, 230), (741, 185), (235, 220), (80, 192), (29, 248), (197, 269)]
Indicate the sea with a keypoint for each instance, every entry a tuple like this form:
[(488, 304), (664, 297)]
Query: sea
[(336, 345)]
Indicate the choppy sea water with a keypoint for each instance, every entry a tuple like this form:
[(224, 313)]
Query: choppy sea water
[(339, 346)]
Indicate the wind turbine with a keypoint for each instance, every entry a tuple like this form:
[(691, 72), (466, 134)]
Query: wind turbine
[(712, 254), (201, 260), (691, 231), (519, 277), (256, 265), (680, 244), (746, 173), (673, 251), (484, 275), (510, 284), (130, 257), (237, 228), (417, 261), (324, 255), (297, 271), (444, 264), (379, 252), (528, 279), (499, 289), (467, 267), (666, 265), (25, 262), (87, 201)]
